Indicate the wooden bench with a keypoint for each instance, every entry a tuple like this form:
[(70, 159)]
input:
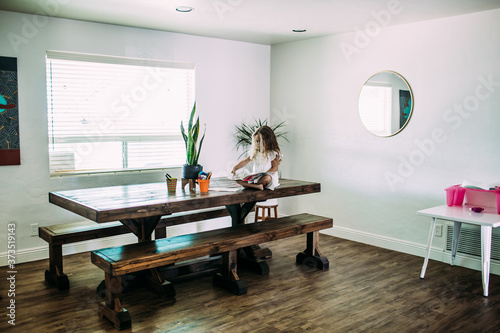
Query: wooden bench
[(57, 235), (116, 262)]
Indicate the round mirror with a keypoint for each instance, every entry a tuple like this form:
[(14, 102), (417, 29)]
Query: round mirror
[(385, 103)]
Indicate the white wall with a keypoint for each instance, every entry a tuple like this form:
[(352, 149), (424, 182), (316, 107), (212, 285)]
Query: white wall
[(371, 186), (232, 85)]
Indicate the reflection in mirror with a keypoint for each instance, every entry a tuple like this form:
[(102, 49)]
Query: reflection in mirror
[(385, 103)]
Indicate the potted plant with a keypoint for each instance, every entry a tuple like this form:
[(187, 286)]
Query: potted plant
[(244, 133), (191, 169)]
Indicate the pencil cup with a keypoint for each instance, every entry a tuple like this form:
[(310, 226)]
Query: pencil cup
[(171, 185), (204, 184)]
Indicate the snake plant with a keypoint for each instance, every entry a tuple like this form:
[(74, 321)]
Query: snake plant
[(191, 138)]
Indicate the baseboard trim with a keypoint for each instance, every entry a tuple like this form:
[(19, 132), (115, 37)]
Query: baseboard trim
[(412, 248)]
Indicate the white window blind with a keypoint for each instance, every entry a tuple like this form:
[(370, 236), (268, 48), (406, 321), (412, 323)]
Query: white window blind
[(108, 114), (375, 105)]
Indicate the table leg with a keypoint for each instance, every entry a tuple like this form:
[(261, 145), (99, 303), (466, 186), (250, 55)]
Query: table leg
[(157, 283), (228, 278), (248, 260), (129, 282), (239, 212), (485, 257), (429, 242), (249, 257), (311, 255), (457, 226), (142, 227)]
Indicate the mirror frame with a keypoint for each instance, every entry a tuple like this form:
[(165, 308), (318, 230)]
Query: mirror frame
[(411, 108)]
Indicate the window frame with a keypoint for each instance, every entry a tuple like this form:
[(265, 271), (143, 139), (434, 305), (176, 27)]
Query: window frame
[(99, 138)]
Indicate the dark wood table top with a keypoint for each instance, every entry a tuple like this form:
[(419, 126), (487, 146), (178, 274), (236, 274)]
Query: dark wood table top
[(114, 203)]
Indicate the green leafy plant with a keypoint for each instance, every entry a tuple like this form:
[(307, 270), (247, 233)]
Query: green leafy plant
[(191, 138), (244, 133)]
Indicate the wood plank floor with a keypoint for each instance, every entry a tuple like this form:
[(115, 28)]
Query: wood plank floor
[(366, 289)]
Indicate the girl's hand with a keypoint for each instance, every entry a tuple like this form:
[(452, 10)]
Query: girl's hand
[(240, 165)]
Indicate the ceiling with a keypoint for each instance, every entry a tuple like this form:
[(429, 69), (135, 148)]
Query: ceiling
[(257, 21)]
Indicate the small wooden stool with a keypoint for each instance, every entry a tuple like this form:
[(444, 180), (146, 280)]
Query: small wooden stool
[(266, 205)]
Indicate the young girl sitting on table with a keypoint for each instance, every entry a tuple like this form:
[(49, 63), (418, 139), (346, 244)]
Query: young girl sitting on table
[(266, 157)]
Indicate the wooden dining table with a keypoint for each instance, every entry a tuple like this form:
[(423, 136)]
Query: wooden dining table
[(141, 206)]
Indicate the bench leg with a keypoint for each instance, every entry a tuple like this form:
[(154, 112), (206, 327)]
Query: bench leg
[(311, 255), (228, 278), (112, 308), (55, 275)]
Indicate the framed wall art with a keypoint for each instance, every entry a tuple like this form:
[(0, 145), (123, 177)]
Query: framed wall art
[(10, 150)]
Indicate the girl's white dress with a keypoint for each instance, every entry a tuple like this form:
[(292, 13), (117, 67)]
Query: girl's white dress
[(262, 163)]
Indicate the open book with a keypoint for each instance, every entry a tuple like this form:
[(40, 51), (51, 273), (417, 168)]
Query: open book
[(246, 177), (255, 177)]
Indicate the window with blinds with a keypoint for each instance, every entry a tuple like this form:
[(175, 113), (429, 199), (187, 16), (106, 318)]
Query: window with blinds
[(109, 114), (376, 101)]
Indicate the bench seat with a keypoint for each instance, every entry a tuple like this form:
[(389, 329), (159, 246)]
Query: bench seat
[(126, 259), (60, 234)]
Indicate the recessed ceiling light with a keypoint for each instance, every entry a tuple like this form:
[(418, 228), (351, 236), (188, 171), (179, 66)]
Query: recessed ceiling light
[(184, 9), (299, 30)]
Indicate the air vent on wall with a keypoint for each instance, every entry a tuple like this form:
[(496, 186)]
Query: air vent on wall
[(470, 241)]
